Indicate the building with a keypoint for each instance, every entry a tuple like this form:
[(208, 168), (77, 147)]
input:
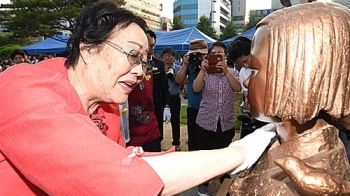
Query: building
[(166, 24), (238, 14), (150, 10), (218, 12)]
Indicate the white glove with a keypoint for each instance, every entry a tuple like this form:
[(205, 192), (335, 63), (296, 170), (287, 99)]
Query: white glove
[(166, 115), (255, 144)]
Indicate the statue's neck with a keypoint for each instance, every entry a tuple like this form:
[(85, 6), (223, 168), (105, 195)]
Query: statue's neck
[(291, 129)]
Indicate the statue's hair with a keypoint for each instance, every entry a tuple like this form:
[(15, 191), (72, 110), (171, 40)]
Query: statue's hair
[(308, 61)]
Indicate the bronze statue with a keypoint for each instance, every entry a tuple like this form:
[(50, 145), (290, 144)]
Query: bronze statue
[(302, 81), (308, 180)]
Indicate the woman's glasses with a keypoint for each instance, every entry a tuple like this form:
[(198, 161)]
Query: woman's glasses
[(134, 56)]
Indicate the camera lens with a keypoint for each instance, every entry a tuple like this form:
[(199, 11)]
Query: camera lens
[(195, 58), (170, 73)]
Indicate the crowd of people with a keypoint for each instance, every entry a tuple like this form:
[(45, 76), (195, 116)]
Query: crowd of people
[(20, 56), (92, 123)]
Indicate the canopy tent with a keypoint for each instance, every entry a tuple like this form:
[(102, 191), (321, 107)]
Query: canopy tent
[(248, 34), (56, 44), (179, 39)]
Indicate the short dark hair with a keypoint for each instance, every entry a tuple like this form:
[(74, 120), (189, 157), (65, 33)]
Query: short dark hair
[(169, 50), (239, 47), (151, 34), (17, 52), (95, 24), (220, 44)]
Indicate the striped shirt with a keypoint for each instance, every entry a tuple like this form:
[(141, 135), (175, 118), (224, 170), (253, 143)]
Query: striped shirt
[(217, 102)]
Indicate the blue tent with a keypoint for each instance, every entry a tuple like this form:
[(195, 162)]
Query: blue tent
[(56, 44), (179, 39), (248, 34)]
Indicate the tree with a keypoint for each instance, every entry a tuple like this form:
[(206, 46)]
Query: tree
[(204, 25), (254, 18), (5, 51), (229, 31), (37, 18), (178, 23)]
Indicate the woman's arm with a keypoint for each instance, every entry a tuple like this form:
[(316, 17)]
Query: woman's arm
[(181, 75), (234, 83), (180, 171)]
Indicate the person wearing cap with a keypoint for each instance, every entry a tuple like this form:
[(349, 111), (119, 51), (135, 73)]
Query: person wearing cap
[(194, 98), (168, 56)]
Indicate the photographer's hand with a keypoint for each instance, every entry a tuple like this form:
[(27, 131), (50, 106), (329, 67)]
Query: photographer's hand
[(185, 59), (198, 82), (205, 64), (182, 73)]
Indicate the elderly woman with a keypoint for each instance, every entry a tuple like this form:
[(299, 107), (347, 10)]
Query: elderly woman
[(49, 141), (302, 57)]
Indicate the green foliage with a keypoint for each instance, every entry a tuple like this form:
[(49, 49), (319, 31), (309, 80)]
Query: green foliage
[(37, 18), (5, 40), (204, 25), (5, 51), (178, 23), (229, 31), (254, 18), (238, 101), (183, 115)]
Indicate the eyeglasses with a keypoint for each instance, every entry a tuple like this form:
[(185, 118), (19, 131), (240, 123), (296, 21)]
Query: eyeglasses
[(244, 61), (134, 57)]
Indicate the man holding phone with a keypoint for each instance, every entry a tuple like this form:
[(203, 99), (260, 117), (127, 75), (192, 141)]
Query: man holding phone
[(218, 84)]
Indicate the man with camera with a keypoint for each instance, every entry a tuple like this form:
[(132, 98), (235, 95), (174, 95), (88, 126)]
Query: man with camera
[(191, 67), (171, 69)]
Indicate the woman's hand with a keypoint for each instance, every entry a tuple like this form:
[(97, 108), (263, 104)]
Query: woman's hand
[(223, 65), (205, 64), (255, 144)]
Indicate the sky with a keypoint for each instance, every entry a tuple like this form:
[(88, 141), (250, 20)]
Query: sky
[(167, 8), (4, 1)]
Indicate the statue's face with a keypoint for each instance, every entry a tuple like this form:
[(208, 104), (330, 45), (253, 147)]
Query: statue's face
[(256, 83)]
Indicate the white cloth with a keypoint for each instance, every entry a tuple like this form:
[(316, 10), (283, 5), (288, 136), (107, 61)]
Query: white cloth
[(166, 115), (243, 74), (255, 144)]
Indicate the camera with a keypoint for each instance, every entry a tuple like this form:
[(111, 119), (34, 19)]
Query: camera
[(195, 59), (170, 74), (213, 60)]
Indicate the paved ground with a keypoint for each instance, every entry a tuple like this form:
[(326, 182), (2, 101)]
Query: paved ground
[(166, 144)]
